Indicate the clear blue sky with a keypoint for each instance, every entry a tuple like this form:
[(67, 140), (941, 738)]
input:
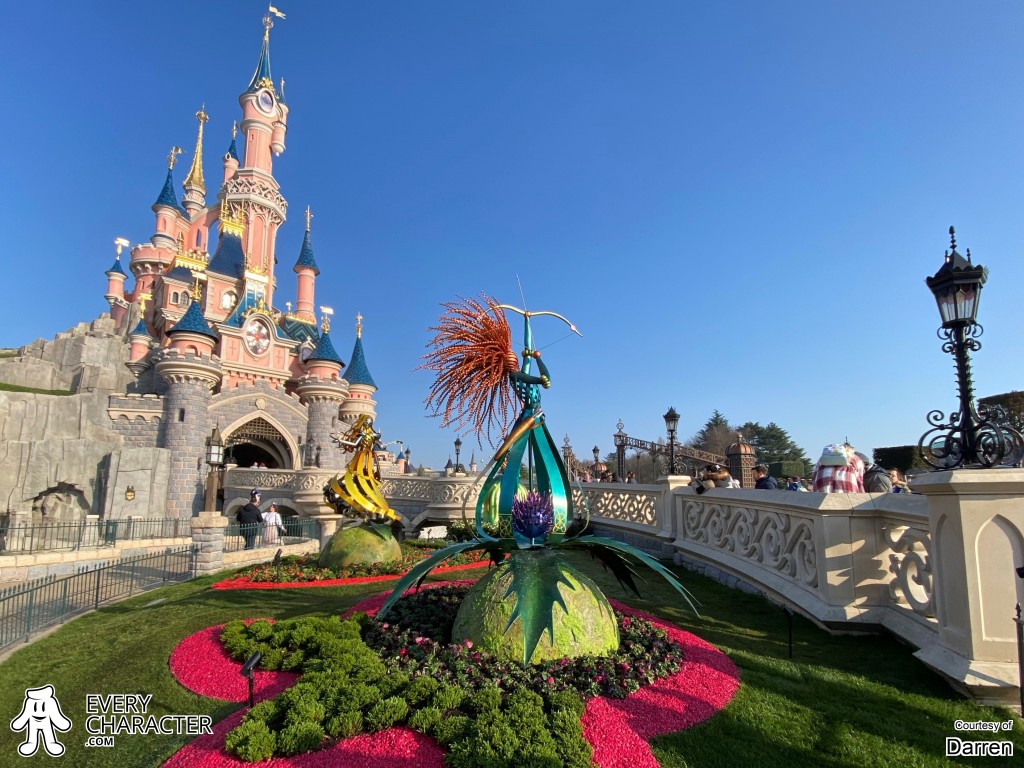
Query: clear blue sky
[(736, 202)]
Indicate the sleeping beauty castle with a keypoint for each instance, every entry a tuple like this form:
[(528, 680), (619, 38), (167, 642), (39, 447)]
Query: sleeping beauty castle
[(211, 340)]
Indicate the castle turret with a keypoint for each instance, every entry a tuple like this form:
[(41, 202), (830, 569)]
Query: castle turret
[(195, 187), (231, 156), (167, 209), (192, 372), (264, 115), (360, 383), (306, 270), (322, 392), (141, 342), (115, 284)]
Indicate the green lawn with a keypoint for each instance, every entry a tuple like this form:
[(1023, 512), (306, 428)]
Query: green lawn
[(841, 701)]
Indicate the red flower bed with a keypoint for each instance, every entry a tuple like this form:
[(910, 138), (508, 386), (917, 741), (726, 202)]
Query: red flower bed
[(618, 729), (243, 582)]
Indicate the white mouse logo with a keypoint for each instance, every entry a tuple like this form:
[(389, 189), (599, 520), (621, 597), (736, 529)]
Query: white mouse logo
[(40, 716)]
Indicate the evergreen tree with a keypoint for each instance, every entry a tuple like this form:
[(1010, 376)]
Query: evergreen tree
[(715, 436)]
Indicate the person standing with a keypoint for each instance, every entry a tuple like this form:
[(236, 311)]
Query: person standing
[(273, 526), (762, 480), (839, 470), (249, 518)]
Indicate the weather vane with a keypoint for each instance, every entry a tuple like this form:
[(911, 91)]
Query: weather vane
[(172, 157), (120, 242), (309, 217)]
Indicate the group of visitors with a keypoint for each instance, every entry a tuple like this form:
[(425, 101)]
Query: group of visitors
[(841, 469), (252, 522)]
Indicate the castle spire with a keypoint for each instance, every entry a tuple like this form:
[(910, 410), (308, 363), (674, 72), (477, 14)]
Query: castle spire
[(195, 187), (261, 77), (195, 173), (358, 373), (233, 148), (167, 194)]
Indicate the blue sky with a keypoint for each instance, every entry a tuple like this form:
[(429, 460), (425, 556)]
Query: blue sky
[(736, 202)]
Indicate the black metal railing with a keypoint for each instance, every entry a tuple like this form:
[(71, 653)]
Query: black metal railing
[(296, 531), (16, 538), (36, 605)]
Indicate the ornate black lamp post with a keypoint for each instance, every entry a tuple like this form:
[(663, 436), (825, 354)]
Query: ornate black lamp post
[(458, 449), (214, 457), (971, 436), (671, 424)]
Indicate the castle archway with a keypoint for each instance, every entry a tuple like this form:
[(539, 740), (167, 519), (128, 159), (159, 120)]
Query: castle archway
[(260, 443)]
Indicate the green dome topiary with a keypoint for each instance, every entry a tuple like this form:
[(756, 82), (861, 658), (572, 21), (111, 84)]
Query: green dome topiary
[(532, 585), (359, 545)]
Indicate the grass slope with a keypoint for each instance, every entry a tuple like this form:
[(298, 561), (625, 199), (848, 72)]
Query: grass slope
[(841, 701)]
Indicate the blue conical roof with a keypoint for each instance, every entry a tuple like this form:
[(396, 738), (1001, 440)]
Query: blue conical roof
[(325, 350), (306, 256), (233, 150), (116, 268), (167, 195), (357, 372), (263, 68), (194, 322), (140, 329), (229, 258)]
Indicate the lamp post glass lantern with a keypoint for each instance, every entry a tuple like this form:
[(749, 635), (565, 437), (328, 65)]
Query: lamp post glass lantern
[(458, 449), (971, 435), (671, 425), (214, 458)]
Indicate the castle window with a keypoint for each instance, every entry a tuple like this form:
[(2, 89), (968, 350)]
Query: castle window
[(199, 238), (181, 414), (228, 299), (175, 299)]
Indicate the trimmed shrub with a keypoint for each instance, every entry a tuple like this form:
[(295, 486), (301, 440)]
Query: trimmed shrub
[(252, 741), (448, 697), (356, 697), (300, 737), (385, 713), (419, 690), (487, 699), (265, 712), (344, 724), (425, 720), (449, 729), (389, 685), (261, 630)]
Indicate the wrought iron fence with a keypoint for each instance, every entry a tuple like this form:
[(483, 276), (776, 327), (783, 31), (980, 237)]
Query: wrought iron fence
[(256, 535), (36, 605), (17, 538)]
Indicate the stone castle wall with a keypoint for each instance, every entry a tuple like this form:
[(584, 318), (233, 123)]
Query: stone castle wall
[(56, 452)]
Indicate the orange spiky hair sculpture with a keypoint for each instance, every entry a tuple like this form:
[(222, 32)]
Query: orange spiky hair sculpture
[(472, 356)]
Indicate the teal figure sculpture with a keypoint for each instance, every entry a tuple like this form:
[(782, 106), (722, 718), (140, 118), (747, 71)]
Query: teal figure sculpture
[(533, 592)]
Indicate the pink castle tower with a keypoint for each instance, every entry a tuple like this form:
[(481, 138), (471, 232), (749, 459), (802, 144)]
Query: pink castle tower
[(205, 334)]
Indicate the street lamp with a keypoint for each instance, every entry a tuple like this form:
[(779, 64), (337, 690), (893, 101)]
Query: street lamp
[(214, 457), (458, 448), (971, 435), (671, 424)]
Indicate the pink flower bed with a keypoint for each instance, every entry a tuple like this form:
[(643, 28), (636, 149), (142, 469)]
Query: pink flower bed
[(617, 729), (243, 582)]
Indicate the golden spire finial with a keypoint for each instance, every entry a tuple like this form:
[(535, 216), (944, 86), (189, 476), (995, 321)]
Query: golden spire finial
[(197, 289), (309, 217), (195, 173), (359, 325), (172, 157), (282, 89), (120, 242), (325, 319), (234, 129)]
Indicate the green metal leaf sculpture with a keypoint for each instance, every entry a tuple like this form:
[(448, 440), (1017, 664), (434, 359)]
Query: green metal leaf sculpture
[(535, 586), (422, 569), (599, 543)]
